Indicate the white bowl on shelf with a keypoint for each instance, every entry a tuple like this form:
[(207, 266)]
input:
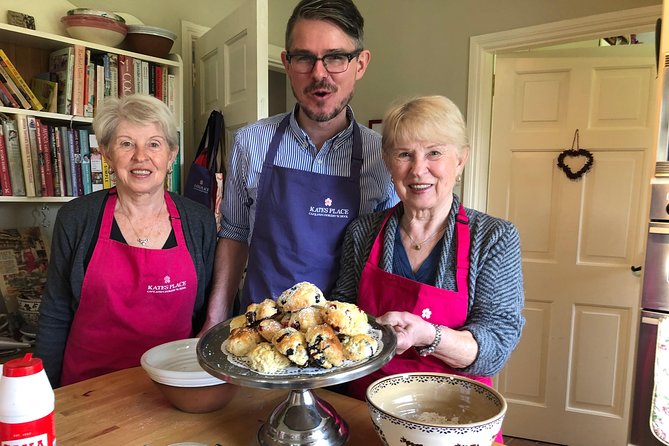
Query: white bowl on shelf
[(95, 28)]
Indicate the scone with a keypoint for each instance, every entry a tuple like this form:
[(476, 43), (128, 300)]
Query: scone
[(268, 328), (305, 318), (260, 311), (301, 295), (291, 343), (325, 350), (238, 321), (265, 358), (242, 340), (345, 318), (358, 347)]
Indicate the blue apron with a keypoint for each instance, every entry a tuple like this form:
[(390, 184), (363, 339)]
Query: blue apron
[(300, 222)]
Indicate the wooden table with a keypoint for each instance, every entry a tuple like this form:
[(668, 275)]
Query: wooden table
[(125, 408)]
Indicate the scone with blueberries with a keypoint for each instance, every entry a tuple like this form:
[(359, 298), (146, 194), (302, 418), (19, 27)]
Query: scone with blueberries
[(345, 318), (301, 295), (242, 340), (324, 347), (305, 318), (265, 358), (359, 347), (292, 344)]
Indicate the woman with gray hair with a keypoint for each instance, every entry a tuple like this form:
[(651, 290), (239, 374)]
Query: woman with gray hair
[(447, 279), (130, 266)]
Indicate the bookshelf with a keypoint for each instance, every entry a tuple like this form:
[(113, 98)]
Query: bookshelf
[(29, 51)]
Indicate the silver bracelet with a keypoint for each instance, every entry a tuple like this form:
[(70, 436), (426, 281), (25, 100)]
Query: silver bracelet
[(429, 349)]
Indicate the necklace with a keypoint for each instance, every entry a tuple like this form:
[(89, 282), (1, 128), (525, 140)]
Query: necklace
[(416, 245), (143, 241)]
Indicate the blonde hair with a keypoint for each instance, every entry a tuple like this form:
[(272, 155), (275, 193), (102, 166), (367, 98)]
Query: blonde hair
[(425, 118), (139, 109)]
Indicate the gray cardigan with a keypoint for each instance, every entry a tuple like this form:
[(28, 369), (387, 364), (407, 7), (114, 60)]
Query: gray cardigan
[(495, 277), (75, 231)]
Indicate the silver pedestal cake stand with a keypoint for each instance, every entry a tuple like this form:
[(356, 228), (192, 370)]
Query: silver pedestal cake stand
[(303, 419)]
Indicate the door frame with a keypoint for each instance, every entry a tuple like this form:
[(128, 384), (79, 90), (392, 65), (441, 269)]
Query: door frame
[(482, 50)]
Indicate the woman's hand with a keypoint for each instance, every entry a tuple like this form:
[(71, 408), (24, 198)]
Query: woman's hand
[(411, 330), (458, 348)]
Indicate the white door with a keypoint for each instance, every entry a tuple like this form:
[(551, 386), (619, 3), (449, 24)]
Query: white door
[(570, 380), (231, 62)]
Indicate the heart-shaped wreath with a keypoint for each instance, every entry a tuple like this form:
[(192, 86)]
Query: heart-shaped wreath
[(575, 153)]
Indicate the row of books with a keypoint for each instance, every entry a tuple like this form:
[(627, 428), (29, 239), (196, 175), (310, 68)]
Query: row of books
[(40, 159), (43, 159), (80, 78)]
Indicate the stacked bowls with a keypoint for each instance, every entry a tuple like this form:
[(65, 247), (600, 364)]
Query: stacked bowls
[(175, 370), (102, 27)]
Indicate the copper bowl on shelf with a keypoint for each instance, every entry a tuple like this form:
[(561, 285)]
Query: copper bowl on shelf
[(149, 40), (174, 369)]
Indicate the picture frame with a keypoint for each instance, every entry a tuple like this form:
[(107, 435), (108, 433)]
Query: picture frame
[(376, 125)]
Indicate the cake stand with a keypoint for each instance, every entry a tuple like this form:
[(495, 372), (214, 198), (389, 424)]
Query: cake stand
[(303, 419)]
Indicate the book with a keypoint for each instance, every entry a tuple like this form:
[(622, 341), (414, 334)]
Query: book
[(19, 81), (90, 91), (159, 83), (78, 80), (64, 150), (145, 77), (75, 154), (113, 74), (172, 94), (44, 151), (97, 182), (59, 189), (24, 255), (7, 98), (5, 179), (61, 67), (126, 75), (13, 155), (137, 71), (152, 79), (13, 89), (99, 86), (47, 93), (26, 154), (40, 180), (85, 161)]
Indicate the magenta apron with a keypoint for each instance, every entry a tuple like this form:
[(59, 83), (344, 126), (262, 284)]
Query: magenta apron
[(436, 305), (300, 223), (132, 299)]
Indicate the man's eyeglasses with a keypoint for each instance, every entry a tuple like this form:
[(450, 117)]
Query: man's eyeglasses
[(334, 62)]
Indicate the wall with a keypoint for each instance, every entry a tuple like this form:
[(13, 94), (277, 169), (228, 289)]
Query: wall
[(418, 47)]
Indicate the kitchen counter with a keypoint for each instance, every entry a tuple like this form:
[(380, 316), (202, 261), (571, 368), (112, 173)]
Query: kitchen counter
[(126, 408)]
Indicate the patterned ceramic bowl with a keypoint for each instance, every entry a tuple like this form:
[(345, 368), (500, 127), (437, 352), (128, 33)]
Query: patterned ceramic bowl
[(422, 409)]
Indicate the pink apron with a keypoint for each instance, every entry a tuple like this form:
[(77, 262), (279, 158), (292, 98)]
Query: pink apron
[(436, 305), (132, 299)]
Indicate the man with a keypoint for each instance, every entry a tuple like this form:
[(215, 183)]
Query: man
[(296, 180)]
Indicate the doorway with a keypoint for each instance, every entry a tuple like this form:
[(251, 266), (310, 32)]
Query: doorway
[(482, 54)]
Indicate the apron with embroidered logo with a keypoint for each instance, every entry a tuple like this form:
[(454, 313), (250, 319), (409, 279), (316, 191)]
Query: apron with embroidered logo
[(435, 305), (132, 299), (300, 222)]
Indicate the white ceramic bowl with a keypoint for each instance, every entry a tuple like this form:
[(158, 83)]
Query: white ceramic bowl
[(434, 409), (95, 28), (174, 369), (175, 364)]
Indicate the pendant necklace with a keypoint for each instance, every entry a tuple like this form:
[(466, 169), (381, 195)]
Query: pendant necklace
[(143, 241), (416, 245)]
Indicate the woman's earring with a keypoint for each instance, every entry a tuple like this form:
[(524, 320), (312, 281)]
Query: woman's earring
[(170, 169), (458, 179)]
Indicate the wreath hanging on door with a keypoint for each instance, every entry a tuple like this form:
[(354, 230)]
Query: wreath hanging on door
[(575, 152)]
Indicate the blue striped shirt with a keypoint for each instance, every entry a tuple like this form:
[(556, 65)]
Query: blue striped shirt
[(297, 151)]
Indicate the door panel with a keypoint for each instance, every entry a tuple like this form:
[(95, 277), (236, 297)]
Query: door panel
[(569, 380), (231, 62)]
